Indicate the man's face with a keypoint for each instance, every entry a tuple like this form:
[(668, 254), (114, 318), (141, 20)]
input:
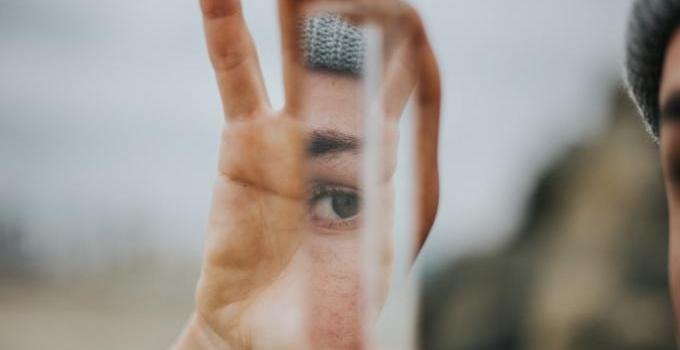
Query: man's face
[(332, 113), (669, 103)]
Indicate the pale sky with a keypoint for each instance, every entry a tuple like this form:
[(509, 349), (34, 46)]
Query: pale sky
[(109, 111)]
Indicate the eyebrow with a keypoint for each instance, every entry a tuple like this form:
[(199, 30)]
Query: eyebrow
[(327, 142)]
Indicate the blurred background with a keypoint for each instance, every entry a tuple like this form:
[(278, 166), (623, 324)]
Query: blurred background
[(552, 225)]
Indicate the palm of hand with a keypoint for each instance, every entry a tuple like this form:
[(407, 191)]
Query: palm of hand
[(248, 282), (250, 293)]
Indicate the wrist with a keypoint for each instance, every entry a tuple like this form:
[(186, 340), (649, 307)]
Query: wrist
[(198, 335)]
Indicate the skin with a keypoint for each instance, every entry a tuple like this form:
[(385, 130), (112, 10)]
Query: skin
[(670, 158), (281, 268)]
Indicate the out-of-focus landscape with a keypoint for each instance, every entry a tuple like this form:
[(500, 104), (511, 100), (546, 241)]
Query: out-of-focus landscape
[(586, 269), (139, 306), (552, 225)]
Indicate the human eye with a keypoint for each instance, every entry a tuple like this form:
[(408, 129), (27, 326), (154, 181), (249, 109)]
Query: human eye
[(334, 207)]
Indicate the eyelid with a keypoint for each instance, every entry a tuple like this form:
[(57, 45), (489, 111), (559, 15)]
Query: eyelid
[(321, 189)]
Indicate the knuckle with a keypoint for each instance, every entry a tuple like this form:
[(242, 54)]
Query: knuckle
[(415, 20), (229, 58), (408, 14)]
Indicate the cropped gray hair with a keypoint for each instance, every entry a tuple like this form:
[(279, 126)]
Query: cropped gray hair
[(333, 44), (652, 24)]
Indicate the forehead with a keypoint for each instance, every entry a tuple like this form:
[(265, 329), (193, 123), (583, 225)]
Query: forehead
[(332, 101)]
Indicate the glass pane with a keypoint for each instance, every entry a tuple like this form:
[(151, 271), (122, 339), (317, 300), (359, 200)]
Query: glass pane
[(354, 80)]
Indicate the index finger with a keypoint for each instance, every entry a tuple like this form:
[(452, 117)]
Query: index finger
[(234, 58)]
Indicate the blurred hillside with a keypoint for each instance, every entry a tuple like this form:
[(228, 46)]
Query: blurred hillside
[(587, 269)]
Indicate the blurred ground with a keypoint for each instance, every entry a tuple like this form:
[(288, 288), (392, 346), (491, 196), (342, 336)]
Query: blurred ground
[(131, 307), (586, 271)]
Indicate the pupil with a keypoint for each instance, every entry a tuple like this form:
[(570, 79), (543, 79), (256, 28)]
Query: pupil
[(345, 205)]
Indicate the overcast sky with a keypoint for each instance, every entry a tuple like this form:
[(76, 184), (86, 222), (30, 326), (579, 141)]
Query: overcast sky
[(109, 114)]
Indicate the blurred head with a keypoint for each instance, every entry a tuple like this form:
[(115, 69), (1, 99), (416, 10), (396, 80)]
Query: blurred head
[(653, 77)]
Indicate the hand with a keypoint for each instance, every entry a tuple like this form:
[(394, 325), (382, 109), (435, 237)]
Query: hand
[(248, 295)]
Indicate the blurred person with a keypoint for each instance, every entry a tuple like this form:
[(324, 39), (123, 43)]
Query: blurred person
[(287, 201), (653, 78)]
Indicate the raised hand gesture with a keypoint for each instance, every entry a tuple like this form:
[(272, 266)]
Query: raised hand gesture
[(280, 268)]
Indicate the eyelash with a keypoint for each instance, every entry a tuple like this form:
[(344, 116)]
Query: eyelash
[(320, 190)]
